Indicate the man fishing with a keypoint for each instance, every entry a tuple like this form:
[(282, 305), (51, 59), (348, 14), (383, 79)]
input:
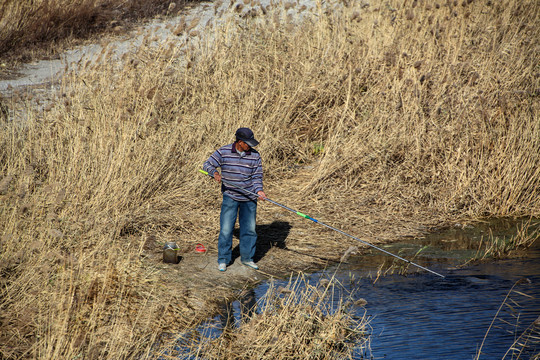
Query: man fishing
[(241, 168)]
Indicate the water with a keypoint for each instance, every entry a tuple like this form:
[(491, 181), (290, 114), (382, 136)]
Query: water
[(422, 316)]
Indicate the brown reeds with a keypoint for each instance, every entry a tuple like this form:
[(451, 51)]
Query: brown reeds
[(296, 321), (498, 247), (526, 343), (34, 24), (381, 119)]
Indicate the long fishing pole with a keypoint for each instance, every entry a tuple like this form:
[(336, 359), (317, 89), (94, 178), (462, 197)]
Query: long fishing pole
[(326, 225)]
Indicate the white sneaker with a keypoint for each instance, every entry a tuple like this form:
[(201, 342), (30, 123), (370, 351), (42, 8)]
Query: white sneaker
[(251, 264), (222, 267)]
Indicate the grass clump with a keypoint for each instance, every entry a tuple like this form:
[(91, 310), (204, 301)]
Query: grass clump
[(498, 247), (296, 321)]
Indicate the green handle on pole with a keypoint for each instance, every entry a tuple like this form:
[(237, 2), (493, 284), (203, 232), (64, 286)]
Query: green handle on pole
[(306, 216)]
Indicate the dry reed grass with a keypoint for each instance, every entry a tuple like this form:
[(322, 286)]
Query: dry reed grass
[(27, 23), (526, 344), (297, 321), (385, 119), (499, 247)]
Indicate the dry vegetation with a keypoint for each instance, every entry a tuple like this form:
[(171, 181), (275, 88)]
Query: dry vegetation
[(298, 321), (383, 119), (29, 27)]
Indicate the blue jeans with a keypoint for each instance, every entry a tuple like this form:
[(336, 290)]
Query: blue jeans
[(247, 211)]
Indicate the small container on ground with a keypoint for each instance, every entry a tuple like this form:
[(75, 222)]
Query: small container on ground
[(170, 253)]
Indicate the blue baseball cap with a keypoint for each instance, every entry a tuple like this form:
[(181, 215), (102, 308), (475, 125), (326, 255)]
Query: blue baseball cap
[(246, 135)]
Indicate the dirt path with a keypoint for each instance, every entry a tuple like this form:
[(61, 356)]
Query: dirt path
[(193, 18), (45, 72)]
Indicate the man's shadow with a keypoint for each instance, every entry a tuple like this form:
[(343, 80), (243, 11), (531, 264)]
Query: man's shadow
[(268, 236)]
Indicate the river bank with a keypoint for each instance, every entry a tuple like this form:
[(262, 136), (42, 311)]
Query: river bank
[(414, 314)]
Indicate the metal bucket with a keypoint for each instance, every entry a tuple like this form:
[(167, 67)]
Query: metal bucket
[(170, 252)]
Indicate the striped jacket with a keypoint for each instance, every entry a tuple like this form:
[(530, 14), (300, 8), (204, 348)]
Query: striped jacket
[(245, 172)]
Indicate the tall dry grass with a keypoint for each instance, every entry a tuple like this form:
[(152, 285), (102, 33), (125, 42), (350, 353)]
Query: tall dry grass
[(416, 109), (298, 321), (27, 23)]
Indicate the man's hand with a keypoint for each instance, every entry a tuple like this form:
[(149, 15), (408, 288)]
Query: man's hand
[(217, 176), (262, 195)]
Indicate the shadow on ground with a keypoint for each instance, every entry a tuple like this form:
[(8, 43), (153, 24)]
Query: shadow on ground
[(268, 236)]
